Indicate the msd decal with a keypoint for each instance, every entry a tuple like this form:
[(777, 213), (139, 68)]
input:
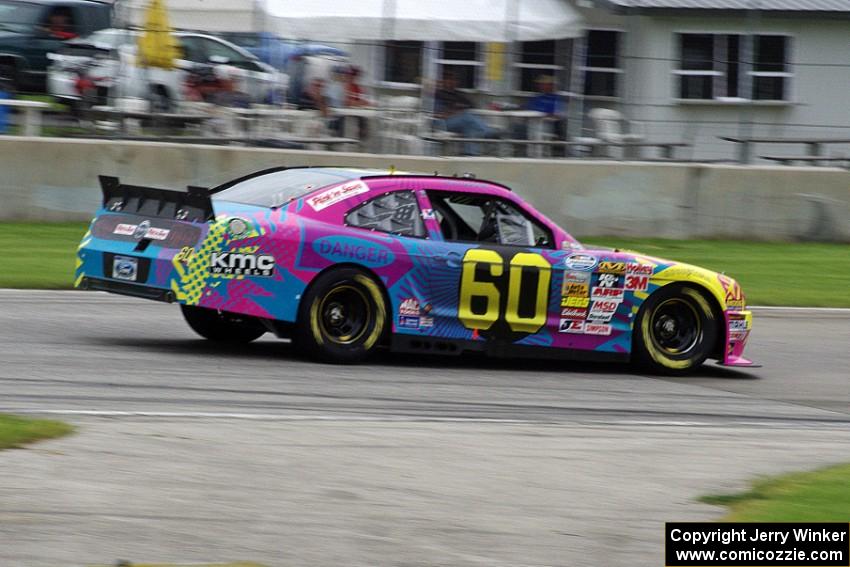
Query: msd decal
[(336, 194)]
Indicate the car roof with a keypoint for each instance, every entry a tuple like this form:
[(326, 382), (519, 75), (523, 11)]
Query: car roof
[(352, 173)]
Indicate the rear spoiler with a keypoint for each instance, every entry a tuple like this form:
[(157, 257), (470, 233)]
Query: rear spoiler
[(192, 205)]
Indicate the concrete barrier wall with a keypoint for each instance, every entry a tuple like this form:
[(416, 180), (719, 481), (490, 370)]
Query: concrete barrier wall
[(56, 180)]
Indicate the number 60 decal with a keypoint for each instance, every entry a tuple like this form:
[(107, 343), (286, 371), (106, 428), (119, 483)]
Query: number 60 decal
[(494, 264)]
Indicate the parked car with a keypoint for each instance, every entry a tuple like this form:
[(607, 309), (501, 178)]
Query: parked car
[(110, 53), (30, 29), (276, 51)]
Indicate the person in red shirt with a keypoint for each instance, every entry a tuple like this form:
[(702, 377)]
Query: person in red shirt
[(58, 25), (354, 95)]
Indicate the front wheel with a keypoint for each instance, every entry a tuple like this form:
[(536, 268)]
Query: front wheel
[(675, 331), (222, 327), (342, 317)]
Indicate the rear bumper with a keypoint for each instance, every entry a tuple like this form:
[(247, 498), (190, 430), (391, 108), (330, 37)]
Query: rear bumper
[(125, 288)]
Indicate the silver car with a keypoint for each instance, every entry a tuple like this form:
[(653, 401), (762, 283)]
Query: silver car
[(109, 59)]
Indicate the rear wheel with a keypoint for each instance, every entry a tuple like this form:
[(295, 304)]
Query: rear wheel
[(675, 331), (222, 327), (342, 317)]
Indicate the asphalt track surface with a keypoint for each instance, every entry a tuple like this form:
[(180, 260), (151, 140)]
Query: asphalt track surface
[(90, 352), (192, 453)]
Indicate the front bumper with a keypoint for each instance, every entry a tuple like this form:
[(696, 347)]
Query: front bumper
[(739, 324)]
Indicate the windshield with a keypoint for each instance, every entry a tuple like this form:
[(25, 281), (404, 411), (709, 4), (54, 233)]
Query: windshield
[(18, 16), (279, 187)]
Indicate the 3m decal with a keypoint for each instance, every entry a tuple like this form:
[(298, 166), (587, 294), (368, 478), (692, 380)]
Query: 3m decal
[(336, 194), (482, 290), (575, 301), (637, 283), (229, 263)]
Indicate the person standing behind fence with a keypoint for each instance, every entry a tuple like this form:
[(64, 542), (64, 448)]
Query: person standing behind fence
[(453, 109)]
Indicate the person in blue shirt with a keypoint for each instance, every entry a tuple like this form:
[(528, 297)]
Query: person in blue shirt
[(548, 101)]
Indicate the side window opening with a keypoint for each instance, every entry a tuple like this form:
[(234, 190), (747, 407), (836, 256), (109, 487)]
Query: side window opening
[(394, 213), (466, 217)]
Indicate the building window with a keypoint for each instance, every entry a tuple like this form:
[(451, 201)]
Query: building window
[(461, 58), (403, 61), (712, 66), (602, 63), (537, 58)]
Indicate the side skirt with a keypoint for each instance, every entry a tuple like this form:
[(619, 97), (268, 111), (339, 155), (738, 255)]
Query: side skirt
[(454, 347)]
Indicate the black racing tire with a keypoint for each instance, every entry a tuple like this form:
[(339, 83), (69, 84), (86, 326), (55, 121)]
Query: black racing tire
[(222, 327), (342, 318), (675, 330)]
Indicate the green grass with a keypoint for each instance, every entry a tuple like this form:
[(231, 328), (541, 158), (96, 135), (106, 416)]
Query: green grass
[(16, 431), (38, 256), (802, 274), (818, 496)]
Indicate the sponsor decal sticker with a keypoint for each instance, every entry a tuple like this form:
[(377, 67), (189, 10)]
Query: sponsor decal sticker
[(237, 227), (597, 329), (576, 289), (337, 194), (141, 229), (611, 293), (734, 294), (125, 268), (234, 264), (637, 282), (344, 248), (608, 280), (569, 326), (603, 310), (573, 313), (125, 229), (426, 322), (157, 233), (612, 267), (576, 277), (409, 307), (408, 322), (428, 214), (639, 269), (575, 301), (581, 262)]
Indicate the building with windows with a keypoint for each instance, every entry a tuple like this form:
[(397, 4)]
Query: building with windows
[(679, 70)]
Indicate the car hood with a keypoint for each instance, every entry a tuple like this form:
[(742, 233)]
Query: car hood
[(725, 289)]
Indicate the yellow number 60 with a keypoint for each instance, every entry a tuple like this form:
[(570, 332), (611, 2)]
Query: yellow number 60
[(470, 287)]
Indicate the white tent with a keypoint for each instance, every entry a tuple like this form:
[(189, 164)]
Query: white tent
[(424, 20), (207, 15)]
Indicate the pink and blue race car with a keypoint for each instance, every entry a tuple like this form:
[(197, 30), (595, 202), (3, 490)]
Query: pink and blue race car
[(347, 261)]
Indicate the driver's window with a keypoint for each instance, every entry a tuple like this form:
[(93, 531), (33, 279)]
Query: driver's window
[(220, 50), (470, 217), (59, 23)]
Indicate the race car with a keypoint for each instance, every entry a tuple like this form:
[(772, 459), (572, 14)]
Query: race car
[(347, 261)]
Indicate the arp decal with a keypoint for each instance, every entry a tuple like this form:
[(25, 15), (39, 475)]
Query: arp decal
[(347, 249), (512, 291)]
